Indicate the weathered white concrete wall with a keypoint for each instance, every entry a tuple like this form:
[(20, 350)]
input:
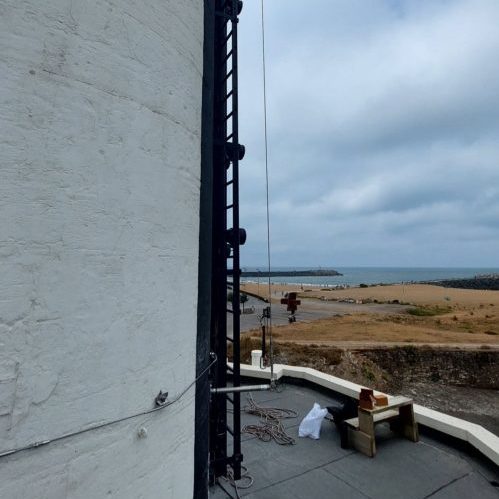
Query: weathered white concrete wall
[(100, 117)]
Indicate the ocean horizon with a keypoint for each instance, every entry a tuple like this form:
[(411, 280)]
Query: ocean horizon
[(354, 276)]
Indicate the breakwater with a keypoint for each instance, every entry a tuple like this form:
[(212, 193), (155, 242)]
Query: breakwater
[(479, 282), (290, 273)]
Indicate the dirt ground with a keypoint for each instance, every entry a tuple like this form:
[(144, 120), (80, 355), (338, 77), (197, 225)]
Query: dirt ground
[(368, 329), (456, 317), (417, 294)]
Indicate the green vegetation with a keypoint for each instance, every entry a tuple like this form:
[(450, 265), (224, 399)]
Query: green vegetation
[(409, 350), (428, 311), (243, 299), (368, 374)]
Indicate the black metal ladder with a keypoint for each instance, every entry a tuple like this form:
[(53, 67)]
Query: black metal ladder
[(227, 237)]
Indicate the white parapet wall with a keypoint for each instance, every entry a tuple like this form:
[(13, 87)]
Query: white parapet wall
[(100, 131), (480, 438)]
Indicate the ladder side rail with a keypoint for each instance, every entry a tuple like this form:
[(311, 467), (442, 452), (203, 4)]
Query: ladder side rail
[(218, 407), (236, 319)]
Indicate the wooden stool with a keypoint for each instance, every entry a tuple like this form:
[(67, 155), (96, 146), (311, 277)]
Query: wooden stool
[(399, 412)]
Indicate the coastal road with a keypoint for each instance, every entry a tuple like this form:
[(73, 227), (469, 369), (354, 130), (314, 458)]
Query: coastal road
[(309, 310)]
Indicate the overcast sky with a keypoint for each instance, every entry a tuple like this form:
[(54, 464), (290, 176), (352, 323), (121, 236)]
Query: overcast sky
[(383, 125)]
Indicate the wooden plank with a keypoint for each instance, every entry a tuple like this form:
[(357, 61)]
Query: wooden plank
[(399, 412), (377, 418), (362, 442), (353, 422), (366, 423), (409, 427)]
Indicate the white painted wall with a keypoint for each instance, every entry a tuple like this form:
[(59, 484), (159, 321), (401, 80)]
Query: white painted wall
[(100, 117)]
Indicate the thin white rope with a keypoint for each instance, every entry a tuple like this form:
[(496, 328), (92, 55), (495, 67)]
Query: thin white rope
[(267, 193)]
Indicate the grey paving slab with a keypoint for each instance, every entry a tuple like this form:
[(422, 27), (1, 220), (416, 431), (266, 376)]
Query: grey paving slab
[(321, 469), (299, 399), (270, 463), (302, 398), (468, 487), (480, 465), (287, 394), (400, 469), (216, 492), (317, 482)]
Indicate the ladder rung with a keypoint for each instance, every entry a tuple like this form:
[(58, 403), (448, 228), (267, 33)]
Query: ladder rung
[(227, 38), (230, 369), (230, 430), (229, 339), (229, 95), (228, 75), (229, 206), (229, 116), (230, 311), (229, 54), (229, 183), (229, 136), (229, 399)]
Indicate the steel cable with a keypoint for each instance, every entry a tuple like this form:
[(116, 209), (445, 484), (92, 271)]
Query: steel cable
[(271, 345), (98, 426)]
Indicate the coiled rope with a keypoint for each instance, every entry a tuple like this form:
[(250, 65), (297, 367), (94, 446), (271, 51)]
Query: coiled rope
[(245, 482), (270, 426)]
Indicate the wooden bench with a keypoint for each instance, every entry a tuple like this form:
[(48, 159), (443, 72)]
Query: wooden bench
[(399, 413)]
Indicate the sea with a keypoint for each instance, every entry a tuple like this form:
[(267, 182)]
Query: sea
[(354, 276)]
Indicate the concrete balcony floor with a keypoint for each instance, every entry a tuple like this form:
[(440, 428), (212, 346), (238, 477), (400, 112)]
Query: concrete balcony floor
[(318, 469)]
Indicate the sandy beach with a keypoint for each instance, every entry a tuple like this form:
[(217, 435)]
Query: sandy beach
[(418, 294)]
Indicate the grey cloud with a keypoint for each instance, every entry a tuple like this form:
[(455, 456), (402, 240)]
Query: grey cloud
[(383, 126)]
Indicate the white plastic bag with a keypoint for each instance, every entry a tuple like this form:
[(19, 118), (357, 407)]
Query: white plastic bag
[(311, 423)]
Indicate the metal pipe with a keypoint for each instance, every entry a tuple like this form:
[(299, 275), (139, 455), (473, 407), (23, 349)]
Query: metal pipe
[(238, 389)]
